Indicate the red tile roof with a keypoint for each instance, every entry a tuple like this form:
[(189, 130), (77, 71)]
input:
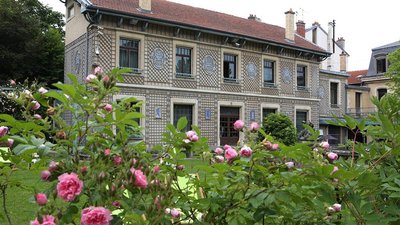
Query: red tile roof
[(355, 76), (202, 18)]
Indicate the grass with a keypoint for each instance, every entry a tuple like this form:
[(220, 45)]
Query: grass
[(20, 200)]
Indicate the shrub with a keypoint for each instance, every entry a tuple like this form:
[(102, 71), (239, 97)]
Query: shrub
[(280, 127)]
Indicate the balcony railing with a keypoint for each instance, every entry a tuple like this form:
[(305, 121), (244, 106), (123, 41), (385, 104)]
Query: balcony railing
[(359, 112)]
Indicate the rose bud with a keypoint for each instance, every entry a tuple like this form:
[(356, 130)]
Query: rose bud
[(230, 154), (10, 142), (219, 158), (275, 147), (156, 169), (238, 125), (324, 145), (117, 160), (331, 210), (53, 166), (254, 126), (106, 79), (180, 167), (35, 105), (13, 83), (290, 164), (42, 90), (267, 145), (116, 204), (51, 111), (44, 175), (61, 135), (98, 70), (337, 207), (41, 199), (175, 213), (84, 169), (37, 116), (107, 152), (90, 77), (335, 169), (245, 151), (332, 156), (108, 107)]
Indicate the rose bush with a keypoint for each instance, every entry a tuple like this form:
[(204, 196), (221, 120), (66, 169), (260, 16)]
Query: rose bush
[(99, 176)]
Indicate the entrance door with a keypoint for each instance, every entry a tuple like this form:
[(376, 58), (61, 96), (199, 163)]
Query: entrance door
[(228, 116)]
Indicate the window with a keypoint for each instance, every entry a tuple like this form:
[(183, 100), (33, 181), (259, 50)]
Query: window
[(301, 118), (70, 11), (301, 77), (334, 135), (358, 103), (314, 35), (269, 73), (334, 94), (266, 112), (381, 65), (381, 92), (230, 67), (129, 53), (184, 111), (183, 62)]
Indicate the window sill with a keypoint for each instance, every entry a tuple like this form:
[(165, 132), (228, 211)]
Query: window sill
[(231, 81), (134, 71), (184, 76), (302, 88), (270, 85), (336, 106)]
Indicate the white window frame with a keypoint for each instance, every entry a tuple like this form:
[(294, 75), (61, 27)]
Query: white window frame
[(307, 75), (301, 108), (276, 70), (142, 110), (185, 44), (185, 101), (238, 55), (268, 106), (132, 36)]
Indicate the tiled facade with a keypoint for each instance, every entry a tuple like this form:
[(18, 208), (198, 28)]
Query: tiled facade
[(158, 86)]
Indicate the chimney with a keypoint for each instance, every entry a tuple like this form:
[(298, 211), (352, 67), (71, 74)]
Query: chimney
[(343, 62), (341, 43), (289, 31), (254, 17), (301, 28), (145, 5)]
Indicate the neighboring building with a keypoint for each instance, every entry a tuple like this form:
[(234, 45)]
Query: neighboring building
[(357, 95), (211, 67), (333, 79)]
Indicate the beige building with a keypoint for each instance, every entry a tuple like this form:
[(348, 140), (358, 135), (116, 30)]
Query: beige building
[(210, 67)]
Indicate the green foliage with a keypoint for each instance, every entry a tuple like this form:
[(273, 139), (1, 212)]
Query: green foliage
[(280, 127), (393, 71), (31, 41)]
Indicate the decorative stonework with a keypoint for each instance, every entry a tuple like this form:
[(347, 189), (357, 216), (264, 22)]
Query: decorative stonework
[(209, 64), (321, 92), (286, 75), (251, 70), (159, 58), (77, 62)]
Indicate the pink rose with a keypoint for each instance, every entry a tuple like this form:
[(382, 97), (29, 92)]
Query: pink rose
[(35, 105), (219, 151), (192, 136), (10, 142), (3, 131), (96, 216), (337, 207), (254, 126), (156, 169), (98, 69), (175, 213), (245, 151), (53, 166), (290, 164), (37, 116), (140, 178), (167, 211), (268, 145), (324, 145), (219, 159), (332, 156), (42, 90), (238, 125), (47, 220), (107, 152), (44, 175), (69, 186), (116, 204), (108, 107), (230, 154), (226, 147), (41, 199), (90, 77), (117, 160), (13, 83)]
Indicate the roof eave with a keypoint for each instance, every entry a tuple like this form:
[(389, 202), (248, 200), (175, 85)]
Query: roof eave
[(111, 12)]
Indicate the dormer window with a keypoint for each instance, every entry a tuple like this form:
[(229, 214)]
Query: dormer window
[(381, 65)]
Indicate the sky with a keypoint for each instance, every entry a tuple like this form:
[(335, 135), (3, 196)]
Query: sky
[(363, 24)]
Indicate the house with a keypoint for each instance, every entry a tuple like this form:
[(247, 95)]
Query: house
[(211, 67), (333, 79)]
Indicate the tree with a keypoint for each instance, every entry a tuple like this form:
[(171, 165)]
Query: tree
[(394, 69), (31, 41), (280, 127)]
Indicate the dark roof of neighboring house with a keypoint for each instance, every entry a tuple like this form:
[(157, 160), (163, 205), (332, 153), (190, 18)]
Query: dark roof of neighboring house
[(355, 76), (391, 45), (179, 14)]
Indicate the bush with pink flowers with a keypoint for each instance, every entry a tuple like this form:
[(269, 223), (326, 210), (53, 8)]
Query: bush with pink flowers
[(97, 175)]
